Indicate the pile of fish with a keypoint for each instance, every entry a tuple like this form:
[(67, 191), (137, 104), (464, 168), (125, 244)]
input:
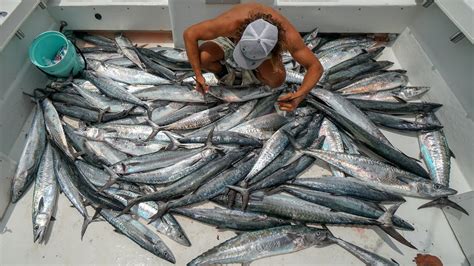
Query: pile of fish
[(131, 138)]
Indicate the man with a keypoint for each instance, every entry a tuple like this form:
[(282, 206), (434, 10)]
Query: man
[(253, 37)]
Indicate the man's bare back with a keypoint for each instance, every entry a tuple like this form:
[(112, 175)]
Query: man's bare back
[(270, 72)]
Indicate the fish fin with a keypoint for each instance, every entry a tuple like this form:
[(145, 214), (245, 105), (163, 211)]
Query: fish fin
[(292, 141), (101, 114), (162, 210), (386, 224), (444, 202), (394, 261), (52, 218), (85, 223), (397, 236), (96, 213), (452, 153), (245, 195), (112, 180), (117, 231), (155, 128), (399, 99)]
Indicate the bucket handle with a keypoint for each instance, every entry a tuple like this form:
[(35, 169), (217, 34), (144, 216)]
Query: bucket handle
[(82, 55)]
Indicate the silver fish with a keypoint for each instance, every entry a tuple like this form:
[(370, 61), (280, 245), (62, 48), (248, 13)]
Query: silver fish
[(54, 127), (30, 157), (114, 90), (345, 41), (261, 127), (174, 172), (66, 182), (126, 75), (395, 95), (383, 176), (437, 155), (200, 119), (348, 110), (229, 121), (337, 56), (242, 94), (173, 93), (167, 225), (139, 234), (251, 246), (384, 81), (45, 195)]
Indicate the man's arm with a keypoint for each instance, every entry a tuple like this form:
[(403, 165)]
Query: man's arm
[(314, 71), (206, 30)]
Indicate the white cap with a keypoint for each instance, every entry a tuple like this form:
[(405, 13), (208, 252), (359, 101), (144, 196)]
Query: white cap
[(256, 43)]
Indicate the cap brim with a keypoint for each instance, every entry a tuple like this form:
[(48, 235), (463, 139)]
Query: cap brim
[(243, 61)]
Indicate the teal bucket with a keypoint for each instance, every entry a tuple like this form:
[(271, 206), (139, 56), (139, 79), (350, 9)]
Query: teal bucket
[(44, 49)]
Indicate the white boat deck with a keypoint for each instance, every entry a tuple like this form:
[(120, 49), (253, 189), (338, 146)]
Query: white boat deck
[(101, 245)]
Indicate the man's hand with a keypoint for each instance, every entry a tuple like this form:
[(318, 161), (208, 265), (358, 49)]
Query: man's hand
[(290, 101), (201, 85)]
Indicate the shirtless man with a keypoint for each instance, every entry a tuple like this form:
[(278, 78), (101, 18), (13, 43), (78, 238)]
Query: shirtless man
[(253, 36)]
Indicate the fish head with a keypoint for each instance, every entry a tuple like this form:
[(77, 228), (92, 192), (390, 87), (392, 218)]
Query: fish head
[(164, 252), (91, 133), (181, 238), (434, 190), (319, 237), (40, 227)]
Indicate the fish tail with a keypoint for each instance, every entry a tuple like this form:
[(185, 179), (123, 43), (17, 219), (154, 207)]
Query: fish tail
[(85, 223), (130, 205), (444, 202), (245, 195), (154, 126), (209, 143), (385, 223), (112, 180)]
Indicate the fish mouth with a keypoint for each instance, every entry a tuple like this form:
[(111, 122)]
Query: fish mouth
[(167, 255)]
